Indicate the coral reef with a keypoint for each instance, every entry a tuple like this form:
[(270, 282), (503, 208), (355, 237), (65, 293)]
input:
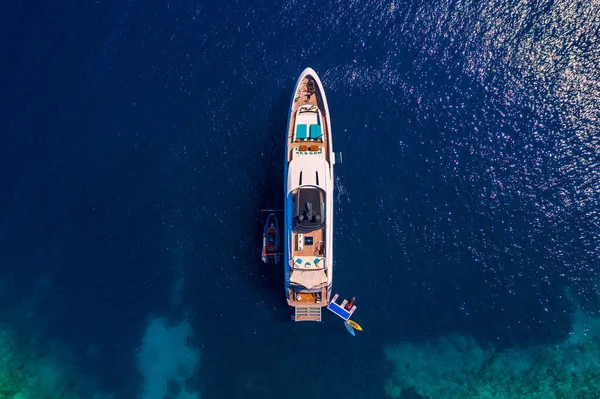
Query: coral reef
[(457, 367), (33, 369), (435, 370)]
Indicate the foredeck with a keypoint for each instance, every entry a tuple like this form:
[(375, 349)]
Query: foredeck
[(308, 94)]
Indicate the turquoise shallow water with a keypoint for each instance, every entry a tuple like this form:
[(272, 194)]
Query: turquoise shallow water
[(140, 140)]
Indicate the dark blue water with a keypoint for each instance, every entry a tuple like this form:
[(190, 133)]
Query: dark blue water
[(139, 141)]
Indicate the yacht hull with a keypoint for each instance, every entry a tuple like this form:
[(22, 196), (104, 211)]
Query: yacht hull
[(308, 193)]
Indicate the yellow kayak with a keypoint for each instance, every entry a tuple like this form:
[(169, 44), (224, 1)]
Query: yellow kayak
[(354, 325)]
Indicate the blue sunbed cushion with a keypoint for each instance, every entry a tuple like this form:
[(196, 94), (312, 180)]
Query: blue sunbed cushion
[(316, 132), (301, 131)]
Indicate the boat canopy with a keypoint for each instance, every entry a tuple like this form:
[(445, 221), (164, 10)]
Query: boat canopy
[(309, 279)]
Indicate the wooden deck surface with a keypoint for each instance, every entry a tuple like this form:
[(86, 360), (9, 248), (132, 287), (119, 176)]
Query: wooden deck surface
[(308, 298), (317, 248)]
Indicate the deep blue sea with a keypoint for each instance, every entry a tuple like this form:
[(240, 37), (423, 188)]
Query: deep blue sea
[(139, 141)]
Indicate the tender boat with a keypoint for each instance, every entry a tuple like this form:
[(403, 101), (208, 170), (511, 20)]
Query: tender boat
[(308, 212), (270, 247)]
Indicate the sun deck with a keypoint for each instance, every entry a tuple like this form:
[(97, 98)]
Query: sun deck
[(308, 94), (309, 244)]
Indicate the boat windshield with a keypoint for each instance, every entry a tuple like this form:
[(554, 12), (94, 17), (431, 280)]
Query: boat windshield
[(309, 209)]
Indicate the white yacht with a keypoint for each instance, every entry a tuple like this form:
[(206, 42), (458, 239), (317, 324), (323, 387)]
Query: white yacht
[(308, 212)]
